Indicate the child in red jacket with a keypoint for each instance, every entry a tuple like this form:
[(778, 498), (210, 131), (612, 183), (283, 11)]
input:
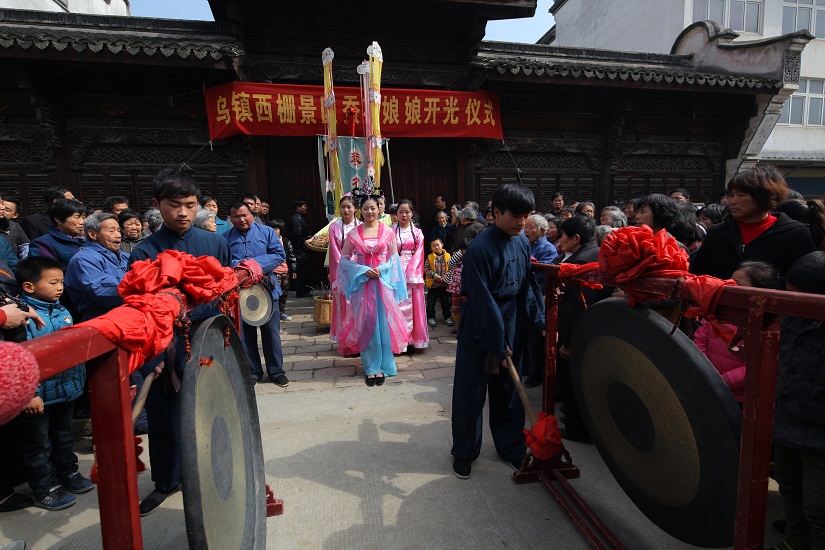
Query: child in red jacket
[(728, 361)]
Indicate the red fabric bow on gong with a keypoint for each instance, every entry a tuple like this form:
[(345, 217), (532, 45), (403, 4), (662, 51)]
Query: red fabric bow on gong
[(153, 294), (631, 253), (544, 438)]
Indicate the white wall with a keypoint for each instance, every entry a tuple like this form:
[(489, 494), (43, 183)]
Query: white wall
[(793, 142), (653, 25), (97, 7), (633, 26)]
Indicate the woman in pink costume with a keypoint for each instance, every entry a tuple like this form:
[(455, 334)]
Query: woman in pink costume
[(410, 242), (371, 278), (338, 231)]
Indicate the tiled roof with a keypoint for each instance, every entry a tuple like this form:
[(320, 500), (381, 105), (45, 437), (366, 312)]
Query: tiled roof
[(126, 36), (554, 62)]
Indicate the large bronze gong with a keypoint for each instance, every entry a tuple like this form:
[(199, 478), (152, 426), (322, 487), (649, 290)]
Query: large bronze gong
[(224, 490), (661, 417)]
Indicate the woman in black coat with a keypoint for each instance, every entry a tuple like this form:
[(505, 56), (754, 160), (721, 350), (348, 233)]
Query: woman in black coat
[(578, 239), (752, 232)]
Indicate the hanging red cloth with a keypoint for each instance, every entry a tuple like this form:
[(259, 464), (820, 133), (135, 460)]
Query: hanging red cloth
[(154, 292), (706, 291), (569, 271)]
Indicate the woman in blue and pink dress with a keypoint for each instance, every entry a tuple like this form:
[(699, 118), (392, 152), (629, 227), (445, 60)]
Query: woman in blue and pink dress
[(410, 242), (338, 231), (372, 279)]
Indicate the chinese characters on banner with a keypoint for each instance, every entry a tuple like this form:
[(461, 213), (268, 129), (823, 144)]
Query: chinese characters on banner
[(291, 110)]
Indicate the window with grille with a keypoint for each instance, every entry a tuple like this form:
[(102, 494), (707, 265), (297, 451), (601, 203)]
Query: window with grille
[(804, 107), (804, 14), (739, 15)]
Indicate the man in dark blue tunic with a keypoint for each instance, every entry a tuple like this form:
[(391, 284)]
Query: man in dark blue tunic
[(503, 302), (176, 196)]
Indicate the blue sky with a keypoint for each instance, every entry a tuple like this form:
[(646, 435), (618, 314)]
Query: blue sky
[(515, 30)]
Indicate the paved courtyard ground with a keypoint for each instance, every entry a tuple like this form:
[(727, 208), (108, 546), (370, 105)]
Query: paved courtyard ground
[(370, 468)]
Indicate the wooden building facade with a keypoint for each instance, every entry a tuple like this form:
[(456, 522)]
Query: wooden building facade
[(101, 104)]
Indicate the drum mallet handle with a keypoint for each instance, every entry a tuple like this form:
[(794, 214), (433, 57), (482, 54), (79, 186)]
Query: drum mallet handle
[(521, 393), (141, 396)]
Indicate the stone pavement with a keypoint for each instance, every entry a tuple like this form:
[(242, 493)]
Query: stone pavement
[(370, 468)]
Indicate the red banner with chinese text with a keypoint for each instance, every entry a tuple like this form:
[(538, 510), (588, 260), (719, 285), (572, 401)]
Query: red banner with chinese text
[(293, 110)]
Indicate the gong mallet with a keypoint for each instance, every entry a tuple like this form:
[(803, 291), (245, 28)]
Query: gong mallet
[(521, 393), (137, 408)]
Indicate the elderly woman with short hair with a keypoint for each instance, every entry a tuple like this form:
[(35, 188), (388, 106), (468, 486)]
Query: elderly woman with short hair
[(154, 219), (205, 219), (535, 229), (613, 217), (131, 228)]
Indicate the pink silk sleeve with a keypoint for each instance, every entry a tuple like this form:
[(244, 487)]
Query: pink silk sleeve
[(415, 269), (335, 248)]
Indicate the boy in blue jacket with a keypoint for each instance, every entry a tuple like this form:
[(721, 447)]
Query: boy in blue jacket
[(44, 429)]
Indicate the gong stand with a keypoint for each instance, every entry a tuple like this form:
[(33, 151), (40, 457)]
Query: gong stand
[(554, 472), (108, 375), (755, 310)]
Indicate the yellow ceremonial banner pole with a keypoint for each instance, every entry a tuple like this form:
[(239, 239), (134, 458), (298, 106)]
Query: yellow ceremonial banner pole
[(376, 62), (331, 147)]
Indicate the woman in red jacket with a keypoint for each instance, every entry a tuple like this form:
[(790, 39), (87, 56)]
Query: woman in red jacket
[(753, 232)]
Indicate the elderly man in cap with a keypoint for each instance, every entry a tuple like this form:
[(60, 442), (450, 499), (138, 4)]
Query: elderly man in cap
[(94, 273)]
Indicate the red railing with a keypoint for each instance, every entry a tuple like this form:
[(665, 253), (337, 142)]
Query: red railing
[(110, 402), (107, 372), (757, 311)]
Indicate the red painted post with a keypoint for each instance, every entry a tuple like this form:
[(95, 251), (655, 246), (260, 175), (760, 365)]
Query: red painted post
[(108, 374), (117, 491), (551, 322), (761, 353)]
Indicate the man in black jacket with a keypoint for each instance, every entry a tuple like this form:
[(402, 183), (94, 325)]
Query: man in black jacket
[(38, 224), (578, 239)]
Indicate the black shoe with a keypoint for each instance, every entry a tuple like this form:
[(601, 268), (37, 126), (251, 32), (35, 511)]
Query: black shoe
[(369, 381), (281, 381), (302, 294), (379, 380), (14, 502), (352, 355), (516, 463), (531, 382), (154, 500), (779, 526), (410, 350), (462, 468), (575, 436)]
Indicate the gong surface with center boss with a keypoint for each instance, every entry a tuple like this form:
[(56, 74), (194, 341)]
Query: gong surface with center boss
[(662, 418), (222, 464), (257, 305)]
